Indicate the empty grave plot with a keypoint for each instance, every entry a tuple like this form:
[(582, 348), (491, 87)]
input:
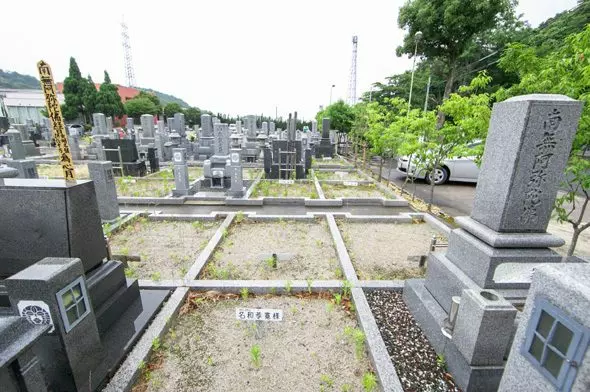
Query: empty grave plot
[(272, 188), (55, 171), (137, 187), (338, 175), (386, 251), (317, 346), (166, 250), (303, 250), (330, 162), (250, 173), (333, 191), (194, 173)]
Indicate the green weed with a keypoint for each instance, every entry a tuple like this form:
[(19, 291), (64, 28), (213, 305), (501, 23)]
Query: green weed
[(255, 355), (369, 382), (244, 293)]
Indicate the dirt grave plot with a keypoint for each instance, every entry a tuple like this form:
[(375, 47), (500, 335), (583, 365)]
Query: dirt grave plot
[(332, 191), (386, 251), (316, 347), (303, 251), (327, 162), (55, 171), (135, 187), (338, 175), (250, 173), (272, 188), (194, 173), (166, 249), (416, 363)]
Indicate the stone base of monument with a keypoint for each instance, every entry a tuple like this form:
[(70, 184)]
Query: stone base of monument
[(30, 149), (431, 318), (324, 149)]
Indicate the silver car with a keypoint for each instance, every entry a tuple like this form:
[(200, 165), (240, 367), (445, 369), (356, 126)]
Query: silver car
[(461, 169)]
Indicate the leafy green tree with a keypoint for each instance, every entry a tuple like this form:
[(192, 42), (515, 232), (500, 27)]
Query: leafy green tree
[(340, 114), (140, 105), (565, 71), (152, 97), (74, 87), (89, 98), (108, 100), (467, 116), (171, 108), (448, 29), (193, 116)]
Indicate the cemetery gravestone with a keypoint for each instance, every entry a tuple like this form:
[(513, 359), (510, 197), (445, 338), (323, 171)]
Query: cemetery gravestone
[(101, 173), (497, 247)]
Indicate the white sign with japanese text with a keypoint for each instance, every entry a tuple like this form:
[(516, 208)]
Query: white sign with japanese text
[(287, 182), (351, 183), (253, 314)]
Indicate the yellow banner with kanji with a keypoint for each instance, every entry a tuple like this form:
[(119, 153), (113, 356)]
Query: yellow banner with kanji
[(57, 122)]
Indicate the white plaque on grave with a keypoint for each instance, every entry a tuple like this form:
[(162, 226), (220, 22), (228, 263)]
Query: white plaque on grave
[(326, 158), (177, 157), (235, 157), (254, 314), (351, 183), (286, 182)]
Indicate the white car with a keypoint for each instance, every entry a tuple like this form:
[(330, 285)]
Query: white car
[(461, 169)]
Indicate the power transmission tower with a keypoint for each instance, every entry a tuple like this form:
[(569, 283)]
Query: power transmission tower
[(352, 80), (129, 72)]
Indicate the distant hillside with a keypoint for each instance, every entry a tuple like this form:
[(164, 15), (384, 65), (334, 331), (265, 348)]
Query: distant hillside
[(166, 98), (15, 80)]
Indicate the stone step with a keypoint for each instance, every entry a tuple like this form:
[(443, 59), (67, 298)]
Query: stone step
[(116, 305), (104, 281)]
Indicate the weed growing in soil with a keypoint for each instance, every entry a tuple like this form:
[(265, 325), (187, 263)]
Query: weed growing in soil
[(210, 361), (130, 273), (346, 388), (441, 362), (309, 282), (326, 381), (358, 339), (338, 299), (288, 286), (244, 293), (198, 225), (346, 289), (369, 382), (156, 345), (255, 355), (156, 276), (239, 217), (338, 273), (271, 262)]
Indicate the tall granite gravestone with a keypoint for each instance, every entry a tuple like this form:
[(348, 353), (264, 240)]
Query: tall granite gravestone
[(109, 121), (15, 141), (271, 127), (181, 179), (130, 125), (325, 148), (100, 124), (205, 144), (75, 147), (238, 126), (101, 173), (550, 348), (495, 250), (264, 128), (172, 127), (237, 188), (180, 124), (216, 169), (147, 125)]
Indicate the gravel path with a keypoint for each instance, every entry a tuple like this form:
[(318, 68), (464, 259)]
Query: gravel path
[(207, 349), (412, 355)]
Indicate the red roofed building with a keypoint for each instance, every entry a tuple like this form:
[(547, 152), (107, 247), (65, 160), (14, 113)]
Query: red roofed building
[(126, 93)]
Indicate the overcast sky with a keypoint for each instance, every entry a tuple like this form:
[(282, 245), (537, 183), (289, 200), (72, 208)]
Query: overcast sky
[(230, 56)]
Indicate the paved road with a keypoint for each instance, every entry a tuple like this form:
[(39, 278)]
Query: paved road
[(454, 198)]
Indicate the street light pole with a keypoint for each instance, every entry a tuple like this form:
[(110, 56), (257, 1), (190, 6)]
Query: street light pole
[(417, 37), (331, 88), (428, 89)]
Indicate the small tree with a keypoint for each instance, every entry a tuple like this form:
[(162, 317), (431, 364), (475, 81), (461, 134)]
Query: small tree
[(565, 71), (74, 87), (89, 98), (467, 120), (171, 108), (137, 106), (193, 116), (108, 100), (340, 114)]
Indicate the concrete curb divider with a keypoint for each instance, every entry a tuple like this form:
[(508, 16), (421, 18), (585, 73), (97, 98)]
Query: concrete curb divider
[(345, 262), (388, 378), (206, 253)]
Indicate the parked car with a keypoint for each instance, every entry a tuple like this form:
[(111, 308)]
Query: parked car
[(461, 169), (75, 130)]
